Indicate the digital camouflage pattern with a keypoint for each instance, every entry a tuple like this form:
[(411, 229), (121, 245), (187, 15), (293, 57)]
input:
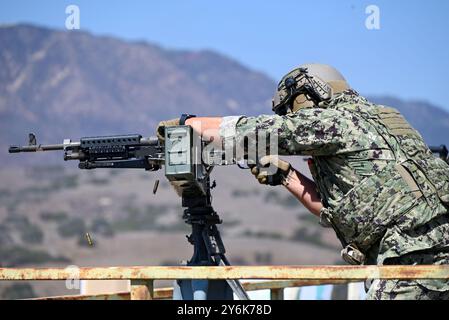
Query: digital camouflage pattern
[(380, 185), (416, 289), (403, 290)]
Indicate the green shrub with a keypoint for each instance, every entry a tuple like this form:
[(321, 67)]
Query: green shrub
[(31, 233), (173, 227), (71, 227), (238, 193), (286, 200), (308, 217), (18, 291), (16, 220), (98, 181), (304, 234), (13, 256), (136, 219), (114, 172), (65, 182), (290, 201), (102, 226), (230, 223), (5, 236), (55, 216), (263, 257), (262, 234), (168, 263)]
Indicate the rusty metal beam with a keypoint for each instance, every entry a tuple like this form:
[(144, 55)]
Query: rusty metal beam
[(167, 293), (277, 294), (104, 296), (278, 284), (235, 272), (159, 294), (142, 290)]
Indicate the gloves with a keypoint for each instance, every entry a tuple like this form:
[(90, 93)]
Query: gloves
[(160, 131), (272, 170)]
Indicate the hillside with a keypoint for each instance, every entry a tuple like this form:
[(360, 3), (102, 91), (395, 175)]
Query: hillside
[(87, 85), (62, 84)]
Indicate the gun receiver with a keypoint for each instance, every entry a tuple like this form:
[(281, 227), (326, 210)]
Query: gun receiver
[(181, 155)]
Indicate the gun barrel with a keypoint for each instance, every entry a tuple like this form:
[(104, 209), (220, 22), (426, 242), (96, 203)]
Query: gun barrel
[(150, 141), (36, 148)]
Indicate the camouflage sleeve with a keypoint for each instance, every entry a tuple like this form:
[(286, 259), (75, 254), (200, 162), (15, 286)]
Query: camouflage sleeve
[(314, 132), (228, 127)]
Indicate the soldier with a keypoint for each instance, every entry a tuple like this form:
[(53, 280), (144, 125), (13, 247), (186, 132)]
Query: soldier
[(375, 182)]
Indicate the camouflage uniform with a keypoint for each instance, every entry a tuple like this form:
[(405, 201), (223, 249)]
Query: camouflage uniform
[(382, 189)]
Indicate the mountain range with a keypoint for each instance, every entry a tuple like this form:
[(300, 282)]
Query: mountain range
[(61, 84)]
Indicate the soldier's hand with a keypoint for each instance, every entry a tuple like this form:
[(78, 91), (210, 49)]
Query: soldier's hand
[(271, 170), (160, 131)]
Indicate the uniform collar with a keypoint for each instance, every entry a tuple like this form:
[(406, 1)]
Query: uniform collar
[(348, 95)]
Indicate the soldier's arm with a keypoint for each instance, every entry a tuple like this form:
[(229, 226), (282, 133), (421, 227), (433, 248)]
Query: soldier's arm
[(206, 127), (304, 190), (298, 185), (314, 132)]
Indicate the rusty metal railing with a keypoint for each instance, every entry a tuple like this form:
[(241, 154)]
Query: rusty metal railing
[(142, 278), (276, 288)]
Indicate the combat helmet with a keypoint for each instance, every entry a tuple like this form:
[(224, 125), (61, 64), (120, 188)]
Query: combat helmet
[(306, 86)]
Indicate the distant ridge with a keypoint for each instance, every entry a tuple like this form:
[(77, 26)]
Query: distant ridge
[(70, 84)]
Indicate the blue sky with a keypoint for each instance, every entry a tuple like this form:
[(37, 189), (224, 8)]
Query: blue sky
[(407, 57)]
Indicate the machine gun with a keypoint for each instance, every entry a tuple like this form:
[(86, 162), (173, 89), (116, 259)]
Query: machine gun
[(121, 151), (181, 155)]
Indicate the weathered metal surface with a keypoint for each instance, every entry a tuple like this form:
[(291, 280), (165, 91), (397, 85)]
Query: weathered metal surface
[(105, 296), (234, 272), (277, 284), (159, 294), (163, 293), (167, 293), (277, 294), (142, 290)]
